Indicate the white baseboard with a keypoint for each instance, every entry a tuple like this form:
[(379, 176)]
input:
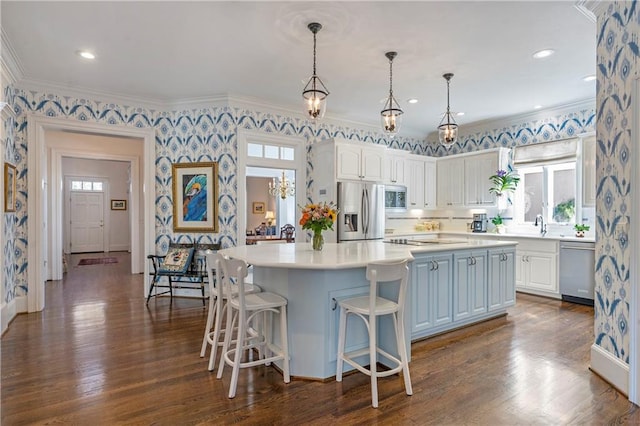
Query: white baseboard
[(119, 247), (7, 314), (610, 368)]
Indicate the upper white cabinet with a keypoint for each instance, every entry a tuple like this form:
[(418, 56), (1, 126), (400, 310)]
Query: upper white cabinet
[(359, 162), (415, 184), (450, 182), (430, 183), (395, 167), (477, 170), (463, 180), (589, 171)]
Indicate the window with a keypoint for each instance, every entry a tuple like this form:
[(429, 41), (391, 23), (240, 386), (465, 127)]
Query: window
[(85, 185), (547, 189), (273, 152)]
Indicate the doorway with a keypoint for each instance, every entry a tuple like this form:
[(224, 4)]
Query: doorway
[(279, 211), (133, 145), (269, 155)]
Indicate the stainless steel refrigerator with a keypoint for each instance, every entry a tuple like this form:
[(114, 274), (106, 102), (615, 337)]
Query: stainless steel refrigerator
[(361, 214)]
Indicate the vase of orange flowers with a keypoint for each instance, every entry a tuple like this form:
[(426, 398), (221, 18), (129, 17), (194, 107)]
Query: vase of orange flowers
[(318, 217)]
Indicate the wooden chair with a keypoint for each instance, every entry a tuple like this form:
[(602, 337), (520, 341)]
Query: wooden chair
[(368, 308), (287, 232)]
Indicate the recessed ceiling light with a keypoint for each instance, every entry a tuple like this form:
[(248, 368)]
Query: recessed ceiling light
[(589, 78), (86, 54), (537, 106), (543, 53), (460, 114), (413, 101)]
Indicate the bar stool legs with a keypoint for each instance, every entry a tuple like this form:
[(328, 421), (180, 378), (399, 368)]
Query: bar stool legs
[(368, 308)]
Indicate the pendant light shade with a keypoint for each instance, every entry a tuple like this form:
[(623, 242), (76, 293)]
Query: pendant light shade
[(391, 115), (448, 129), (315, 93)]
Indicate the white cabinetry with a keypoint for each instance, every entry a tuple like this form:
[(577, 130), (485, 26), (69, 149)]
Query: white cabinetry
[(502, 291), (359, 162), (430, 183), (477, 170), (536, 267), (421, 182), (395, 169), (589, 171), (415, 184), (470, 284), (450, 182), (463, 180)]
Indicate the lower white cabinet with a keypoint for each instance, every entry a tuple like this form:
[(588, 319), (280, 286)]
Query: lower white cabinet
[(501, 277), (536, 267), (457, 288)]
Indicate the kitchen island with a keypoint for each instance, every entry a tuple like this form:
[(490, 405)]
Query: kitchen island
[(451, 285)]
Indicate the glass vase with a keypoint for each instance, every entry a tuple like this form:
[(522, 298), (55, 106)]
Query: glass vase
[(318, 241)]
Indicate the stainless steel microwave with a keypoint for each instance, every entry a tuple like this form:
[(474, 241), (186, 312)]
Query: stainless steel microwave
[(395, 198)]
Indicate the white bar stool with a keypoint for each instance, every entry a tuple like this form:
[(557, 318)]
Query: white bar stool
[(246, 308), (369, 308), (213, 331)]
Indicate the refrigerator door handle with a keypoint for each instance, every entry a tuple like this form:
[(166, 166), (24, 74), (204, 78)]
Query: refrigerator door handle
[(365, 211)]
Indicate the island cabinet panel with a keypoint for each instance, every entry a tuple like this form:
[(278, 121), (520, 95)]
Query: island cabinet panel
[(502, 278), (432, 291), (470, 284), (356, 329)]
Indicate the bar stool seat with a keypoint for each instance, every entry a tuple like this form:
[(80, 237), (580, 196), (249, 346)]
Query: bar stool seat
[(368, 308), (242, 310), (214, 332)]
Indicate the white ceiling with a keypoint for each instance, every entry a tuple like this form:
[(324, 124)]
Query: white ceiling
[(171, 52)]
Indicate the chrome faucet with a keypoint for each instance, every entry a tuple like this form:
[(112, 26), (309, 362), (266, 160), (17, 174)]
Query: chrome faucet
[(543, 226)]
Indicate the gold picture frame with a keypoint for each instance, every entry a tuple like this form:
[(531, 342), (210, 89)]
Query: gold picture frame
[(118, 204), (9, 187), (195, 197), (258, 207)]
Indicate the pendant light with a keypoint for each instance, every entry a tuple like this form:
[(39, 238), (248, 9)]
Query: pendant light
[(315, 93), (391, 115), (448, 129)]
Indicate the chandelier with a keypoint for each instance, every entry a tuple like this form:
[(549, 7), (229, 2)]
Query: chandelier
[(315, 93), (448, 129), (283, 188), (391, 115)]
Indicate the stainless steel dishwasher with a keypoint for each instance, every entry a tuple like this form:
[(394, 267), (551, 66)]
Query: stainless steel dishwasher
[(577, 271)]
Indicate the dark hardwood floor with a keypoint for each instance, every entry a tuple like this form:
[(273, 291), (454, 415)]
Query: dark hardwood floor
[(98, 355)]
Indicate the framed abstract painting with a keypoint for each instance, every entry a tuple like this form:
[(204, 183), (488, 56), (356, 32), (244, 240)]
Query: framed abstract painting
[(9, 187), (195, 197)]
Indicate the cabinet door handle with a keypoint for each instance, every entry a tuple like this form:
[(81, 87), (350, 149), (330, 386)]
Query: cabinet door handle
[(334, 304)]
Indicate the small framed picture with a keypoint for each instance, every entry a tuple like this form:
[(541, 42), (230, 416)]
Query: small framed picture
[(9, 187), (258, 207), (118, 204)]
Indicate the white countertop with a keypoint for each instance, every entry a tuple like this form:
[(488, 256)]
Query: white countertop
[(491, 235), (344, 255)]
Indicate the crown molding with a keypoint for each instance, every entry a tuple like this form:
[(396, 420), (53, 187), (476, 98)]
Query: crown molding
[(518, 119), (11, 65), (591, 8)]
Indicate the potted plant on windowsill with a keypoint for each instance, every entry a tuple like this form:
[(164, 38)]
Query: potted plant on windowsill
[(581, 229), (499, 224), (503, 181)]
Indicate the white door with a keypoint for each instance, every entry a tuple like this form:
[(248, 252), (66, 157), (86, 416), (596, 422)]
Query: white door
[(87, 222)]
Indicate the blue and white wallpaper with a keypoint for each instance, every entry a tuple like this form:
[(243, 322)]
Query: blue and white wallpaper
[(618, 59), (210, 134), (190, 135)]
